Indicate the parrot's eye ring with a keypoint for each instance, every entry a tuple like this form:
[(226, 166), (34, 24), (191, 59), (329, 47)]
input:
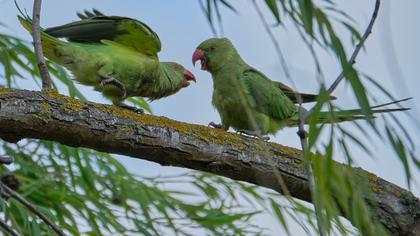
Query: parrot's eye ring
[(211, 48)]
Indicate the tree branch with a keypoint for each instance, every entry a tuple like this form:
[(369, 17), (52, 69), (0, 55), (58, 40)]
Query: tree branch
[(36, 34), (6, 228), (51, 116), (359, 46), (353, 56), (32, 208)]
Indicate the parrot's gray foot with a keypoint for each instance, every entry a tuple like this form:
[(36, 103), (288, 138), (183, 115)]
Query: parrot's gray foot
[(115, 82), (214, 125), (131, 108), (254, 134), (7, 160), (302, 134)]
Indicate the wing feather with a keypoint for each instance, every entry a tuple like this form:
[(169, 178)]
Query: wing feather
[(94, 27), (291, 94), (265, 97)]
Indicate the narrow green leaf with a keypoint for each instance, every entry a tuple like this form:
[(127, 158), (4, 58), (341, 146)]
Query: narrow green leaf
[(279, 215), (306, 11), (272, 5), (399, 149)]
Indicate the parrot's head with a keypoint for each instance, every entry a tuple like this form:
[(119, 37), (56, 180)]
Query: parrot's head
[(177, 76), (214, 53)]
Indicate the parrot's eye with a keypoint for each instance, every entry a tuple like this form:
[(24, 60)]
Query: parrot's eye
[(211, 48)]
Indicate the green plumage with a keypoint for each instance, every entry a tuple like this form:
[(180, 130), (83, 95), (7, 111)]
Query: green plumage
[(110, 48), (249, 101)]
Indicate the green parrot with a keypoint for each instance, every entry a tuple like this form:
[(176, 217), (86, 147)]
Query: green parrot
[(248, 101), (116, 55)]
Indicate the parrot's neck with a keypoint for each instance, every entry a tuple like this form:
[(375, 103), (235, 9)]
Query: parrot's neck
[(225, 61), (167, 81), (225, 80), (232, 65)]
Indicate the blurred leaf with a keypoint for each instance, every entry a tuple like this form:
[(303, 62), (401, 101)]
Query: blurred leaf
[(277, 210), (306, 10), (272, 5), (399, 149), (141, 102)]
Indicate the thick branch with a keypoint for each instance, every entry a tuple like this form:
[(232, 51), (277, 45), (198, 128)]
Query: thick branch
[(50, 116)]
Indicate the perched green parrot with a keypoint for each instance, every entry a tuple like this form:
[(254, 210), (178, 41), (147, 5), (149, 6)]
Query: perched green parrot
[(249, 101), (116, 55)]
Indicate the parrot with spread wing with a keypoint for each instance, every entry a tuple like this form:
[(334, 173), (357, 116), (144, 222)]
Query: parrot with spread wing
[(116, 55), (249, 101)]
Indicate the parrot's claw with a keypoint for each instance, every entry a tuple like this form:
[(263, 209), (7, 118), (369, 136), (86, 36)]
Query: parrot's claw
[(214, 125), (253, 134), (131, 108), (115, 82)]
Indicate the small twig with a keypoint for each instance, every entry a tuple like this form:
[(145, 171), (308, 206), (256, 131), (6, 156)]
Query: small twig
[(359, 46), (352, 59), (7, 228), (36, 34), (6, 160), (308, 165), (28, 205)]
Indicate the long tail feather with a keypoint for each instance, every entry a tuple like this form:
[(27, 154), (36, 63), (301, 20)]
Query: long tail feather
[(350, 115), (355, 114), (49, 43)]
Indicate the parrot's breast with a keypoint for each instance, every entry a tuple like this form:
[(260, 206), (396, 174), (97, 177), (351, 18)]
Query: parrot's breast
[(232, 103)]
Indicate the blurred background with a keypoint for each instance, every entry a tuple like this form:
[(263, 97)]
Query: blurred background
[(391, 57)]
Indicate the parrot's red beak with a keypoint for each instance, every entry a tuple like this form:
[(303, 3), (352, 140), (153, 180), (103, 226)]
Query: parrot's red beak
[(188, 76), (185, 83), (199, 56)]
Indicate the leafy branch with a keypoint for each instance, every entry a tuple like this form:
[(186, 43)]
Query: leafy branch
[(304, 115)]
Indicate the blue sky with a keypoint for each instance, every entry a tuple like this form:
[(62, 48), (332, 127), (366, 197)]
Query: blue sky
[(392, 57)]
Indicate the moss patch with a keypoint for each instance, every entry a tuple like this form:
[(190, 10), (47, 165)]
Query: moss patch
[(200, 132), (4, 90), (288, 150), (70, 103), (374, 183), (45, 106), (197, 131)]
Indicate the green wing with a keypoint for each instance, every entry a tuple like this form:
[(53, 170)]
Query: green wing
[(265, 97), (291, 94), (93, 28)]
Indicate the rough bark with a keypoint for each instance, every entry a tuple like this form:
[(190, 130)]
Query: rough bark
[(51, 116)]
